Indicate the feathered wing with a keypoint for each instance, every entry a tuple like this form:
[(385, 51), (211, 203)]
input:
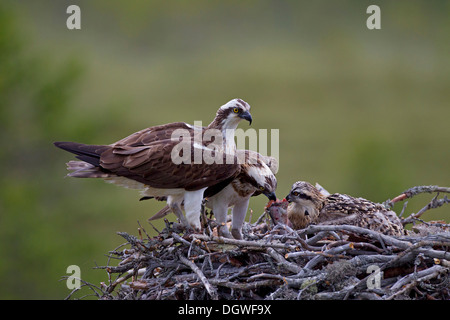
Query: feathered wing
[(146, 157), (343, 209), (152, 134), (153, 166)]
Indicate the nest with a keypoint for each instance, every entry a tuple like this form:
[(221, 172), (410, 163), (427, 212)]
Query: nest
[(319, 262), (274, 262)]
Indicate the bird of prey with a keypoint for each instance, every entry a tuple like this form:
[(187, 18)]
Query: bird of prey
[(148, 160), (309, 206), (256, 176)]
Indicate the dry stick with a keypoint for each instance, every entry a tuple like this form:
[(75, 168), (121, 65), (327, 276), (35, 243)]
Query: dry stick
[(330, 253), (434, 224), (109, 260), (283, 262), (260, 218), (411, 192), (180, 239), (211, 290), (401, 256), (129, 274), (85, 284), (415, 278), (246, 286), (143, 230), (358, 230), (244, 243), (435, 203)]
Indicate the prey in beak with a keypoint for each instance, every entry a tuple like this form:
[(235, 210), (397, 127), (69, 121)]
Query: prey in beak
[(271, 196)]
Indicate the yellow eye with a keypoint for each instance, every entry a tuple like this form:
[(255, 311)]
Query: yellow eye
[(295, 193), (261, 188), (236, 110)]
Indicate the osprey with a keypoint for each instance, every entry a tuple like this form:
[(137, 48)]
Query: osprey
[(149, 160), (308, 205), (256, 176)]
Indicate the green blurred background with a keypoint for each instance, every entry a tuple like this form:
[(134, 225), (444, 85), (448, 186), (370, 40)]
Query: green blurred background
[(361, 112)]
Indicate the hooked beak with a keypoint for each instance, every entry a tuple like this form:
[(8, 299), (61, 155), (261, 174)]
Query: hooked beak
[(246, 116), (288, 198), (271, 196)]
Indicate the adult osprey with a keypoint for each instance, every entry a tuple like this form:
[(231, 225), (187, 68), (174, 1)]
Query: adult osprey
[(256, 176), (308, 205), (149, 160)]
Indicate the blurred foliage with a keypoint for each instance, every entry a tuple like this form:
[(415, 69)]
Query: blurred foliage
[(361, 112), (33, 96)]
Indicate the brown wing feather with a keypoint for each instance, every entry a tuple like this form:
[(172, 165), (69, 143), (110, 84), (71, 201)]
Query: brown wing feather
[(343, 209), (147, 136), (348, 205), (144, 158)]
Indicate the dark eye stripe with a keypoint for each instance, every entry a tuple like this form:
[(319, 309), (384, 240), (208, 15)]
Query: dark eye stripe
[(304, 196)]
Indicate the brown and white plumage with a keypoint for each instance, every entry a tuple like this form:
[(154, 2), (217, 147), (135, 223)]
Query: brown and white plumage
[(309, 206), (144, 160), (256, 176)]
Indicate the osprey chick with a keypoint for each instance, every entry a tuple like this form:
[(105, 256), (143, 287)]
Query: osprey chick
[(309, 206)]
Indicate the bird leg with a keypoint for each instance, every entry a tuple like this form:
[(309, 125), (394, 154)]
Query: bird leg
[(193, 207), (220, 213), (223, 231), (175, 207), (239, 211)]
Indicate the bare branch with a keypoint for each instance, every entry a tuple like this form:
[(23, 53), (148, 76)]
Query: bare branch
[(411, 192), (211, 290), (435, 203)]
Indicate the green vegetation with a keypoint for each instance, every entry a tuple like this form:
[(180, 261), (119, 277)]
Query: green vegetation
[(361, 112)]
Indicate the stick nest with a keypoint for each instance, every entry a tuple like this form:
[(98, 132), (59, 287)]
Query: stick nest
[(276, 262)]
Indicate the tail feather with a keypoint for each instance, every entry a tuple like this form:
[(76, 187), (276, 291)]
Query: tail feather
[(161, 213), (87, 153), (81, 169)]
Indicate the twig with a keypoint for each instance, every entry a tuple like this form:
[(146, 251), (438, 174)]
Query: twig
[(435, 203), (95, 289), (244, 243), (358, 230), (246, 286), (411, 192), (283, 262), (415, 278), (211, 290)]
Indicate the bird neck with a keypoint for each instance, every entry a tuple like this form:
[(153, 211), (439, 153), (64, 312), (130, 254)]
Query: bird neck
[(311, 210), (224, 123), (227, 127)]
